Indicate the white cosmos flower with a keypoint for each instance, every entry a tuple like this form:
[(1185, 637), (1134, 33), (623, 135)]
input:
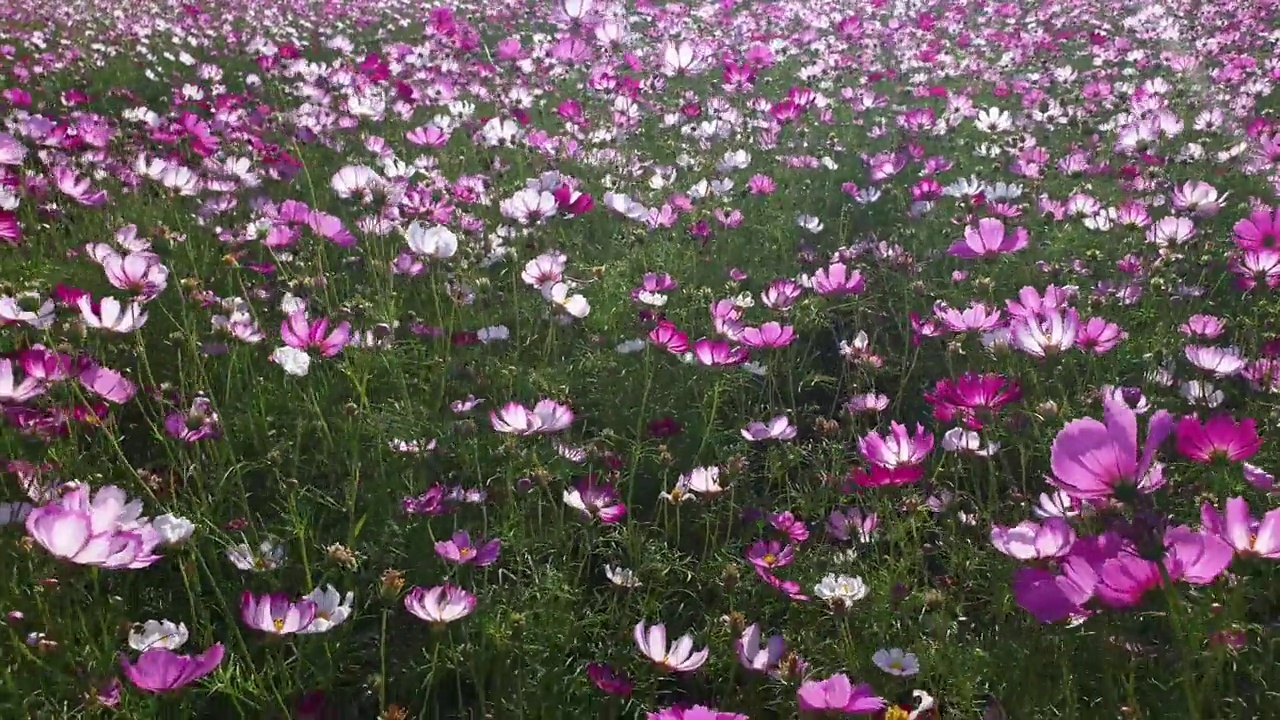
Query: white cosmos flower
[(843, 590), (622, 577), (173, 529), (437, 241), (331, 609), (292, 360), (896, 661), (157, 634), (558, 294)]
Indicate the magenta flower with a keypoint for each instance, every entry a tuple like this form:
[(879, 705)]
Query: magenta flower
[(769, 554), (666, 336), (300, 333), (547, 416), (779, 428), (718, 353), (988, 239), (106, 531), (1218, 438), (609, 680), (160, 669), (793, 527), (1034, 541), (756, 656), (838, 279), (274, 613), (679, 657), (1100, 336), (697, 712), (768, 335), (1245, 534), (1261, 230), (198, 423), (459, 549), (1053, 597), (972, 398), (594, 499), (1090, 458), (441, 604), (330, 228), (838, 694), (15, 391), (1197, 558), (897, 449)]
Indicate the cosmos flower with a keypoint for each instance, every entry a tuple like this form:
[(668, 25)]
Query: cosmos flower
[(679, 657)]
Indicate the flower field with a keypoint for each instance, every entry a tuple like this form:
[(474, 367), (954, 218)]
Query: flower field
[(679, 361)]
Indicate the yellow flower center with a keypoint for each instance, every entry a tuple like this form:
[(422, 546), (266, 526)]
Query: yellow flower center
[(770, 558), (278, 623), (896, 713), (466, 552)]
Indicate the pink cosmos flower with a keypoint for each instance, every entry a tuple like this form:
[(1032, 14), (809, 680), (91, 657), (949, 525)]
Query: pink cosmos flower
[(1197, 558), (1261, 230), (1220, 361), (1091, 458), (1258, 478), (852, 522), (838, 694), (1100, 336), (897, 449), (768, 335), (976, 317), (1046, 334), (1246, 535), (1031, 303), (441, 604), (330, 228), (695, 712), (753, 655), (679, 657), (779, 428), (838, 279), (198, 423), (787, 523), (611, 681), (718, 353), (301, 333), (781, 294), (1052, 538), (1205, 326), (10, 229), (593, 499), (139, 272), (105, 383), (972, 398), (105, 530), (769, 554), (160, 669), (1053, 597), (458, 549), (988, 239), (1218, 438), (15, 391), (109, 314), (546, 417), (274, 613), (668, 337)]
